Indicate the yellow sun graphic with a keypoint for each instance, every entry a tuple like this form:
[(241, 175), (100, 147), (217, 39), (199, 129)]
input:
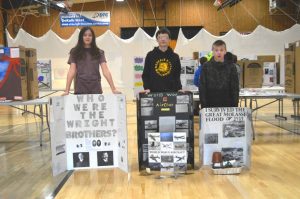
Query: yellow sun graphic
[(163, 67)]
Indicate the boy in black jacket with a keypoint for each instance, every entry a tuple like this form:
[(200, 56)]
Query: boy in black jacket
[(219, 85), (162, 66)]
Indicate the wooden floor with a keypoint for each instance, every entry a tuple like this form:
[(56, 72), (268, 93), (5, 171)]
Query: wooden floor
[(25, 168)]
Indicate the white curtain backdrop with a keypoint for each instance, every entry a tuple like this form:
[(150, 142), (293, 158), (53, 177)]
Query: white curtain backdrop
[(120, 53)]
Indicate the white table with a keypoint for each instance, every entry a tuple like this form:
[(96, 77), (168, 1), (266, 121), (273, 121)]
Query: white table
[(38, 102)]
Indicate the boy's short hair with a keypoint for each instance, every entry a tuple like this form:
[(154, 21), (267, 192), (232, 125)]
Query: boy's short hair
[(219, 43), (203, 60), (234, 59), (163, 30)]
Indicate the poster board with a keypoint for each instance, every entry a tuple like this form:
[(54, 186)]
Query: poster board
[(188, 69), (270, 74), (93, 129), (164, 112), (44, 75), (227, 130)]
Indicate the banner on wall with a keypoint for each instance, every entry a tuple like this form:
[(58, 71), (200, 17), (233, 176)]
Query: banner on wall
[(44, 74), (89, 18), (165, 119), (226, 130), (138, 67), (89, 131)]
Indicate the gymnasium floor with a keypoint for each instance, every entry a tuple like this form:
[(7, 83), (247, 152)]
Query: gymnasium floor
[(25, 167)]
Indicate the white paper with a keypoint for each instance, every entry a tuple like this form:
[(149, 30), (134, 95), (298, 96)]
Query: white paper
[(14, 52)]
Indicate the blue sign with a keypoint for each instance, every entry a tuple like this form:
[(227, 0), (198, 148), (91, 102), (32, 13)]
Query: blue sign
[(92, 18)]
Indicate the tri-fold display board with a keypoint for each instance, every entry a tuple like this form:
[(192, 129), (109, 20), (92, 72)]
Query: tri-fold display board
[(226, 130), (165, 131), (88, 131)]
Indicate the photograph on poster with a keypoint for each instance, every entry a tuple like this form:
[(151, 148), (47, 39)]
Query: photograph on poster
[(179, 146), (154, 166), (149, 131), (266, 71), (105, 158), (190, 70), (166, 146), (180, 158), (147, 111), (211, 138), (182, 108), (180, 166), (81, 159), (167, 167), (154, 158), (167, 124), (154, 137), (154, 146), (167, 158), (233, 154), (183, 70), (182, 99), (190, 82), (150, 124), (234, 129), (179, 137), (182, 124), (186, 131), (146, 102), (60, 149), (166, 137)]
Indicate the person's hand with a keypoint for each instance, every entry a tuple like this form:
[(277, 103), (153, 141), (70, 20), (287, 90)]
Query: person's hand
[(115, 91), (65, 93), (145, 91)]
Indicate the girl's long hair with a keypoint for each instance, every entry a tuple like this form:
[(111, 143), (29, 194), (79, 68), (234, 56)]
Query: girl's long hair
[(78, 50)]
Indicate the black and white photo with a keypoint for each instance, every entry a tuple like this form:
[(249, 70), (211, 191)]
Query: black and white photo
[(182, 124), (234, 129), (154, 157), (211, 138), (182, 99), (236, 154), (167, 158), (183, 70), (146, 102), (167, 167), (154, 146), (166, 146), (190, 70), (181, 108), (149, 131), (179, 145), (147, 111), (153, 137), (105, 158), (150, 124), (81, 159)]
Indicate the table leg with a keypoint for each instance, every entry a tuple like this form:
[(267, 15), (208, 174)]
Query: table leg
[(42, 126), (280, 110)]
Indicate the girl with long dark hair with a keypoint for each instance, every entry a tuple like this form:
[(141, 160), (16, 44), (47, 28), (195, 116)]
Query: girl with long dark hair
[(85, 60)]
